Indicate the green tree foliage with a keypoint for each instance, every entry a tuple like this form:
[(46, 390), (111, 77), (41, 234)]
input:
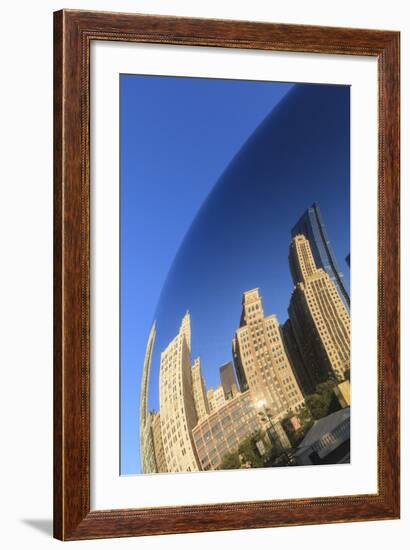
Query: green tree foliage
[(247, 453), (230, 461), (321, 403)]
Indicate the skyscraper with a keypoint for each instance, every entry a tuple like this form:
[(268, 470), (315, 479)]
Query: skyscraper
[(147, 454), (261, 359), (161, 464), (228, 380), (319, 318), (216, 398), (312, 227), (303, 376), (198, 385), (177, 405)]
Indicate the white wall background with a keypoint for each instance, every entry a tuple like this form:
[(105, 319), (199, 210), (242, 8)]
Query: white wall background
[(26, 269)]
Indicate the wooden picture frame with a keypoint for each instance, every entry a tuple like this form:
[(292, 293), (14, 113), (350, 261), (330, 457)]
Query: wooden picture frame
[(74, 32)]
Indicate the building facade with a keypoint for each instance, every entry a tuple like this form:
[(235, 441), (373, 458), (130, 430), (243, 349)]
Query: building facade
[(147, 455), (319, 318), (303, 376), (198, 385), (228, 380), (260, 358), (177, 405), (224, 430), (216, 398), (312, 227), (161, 464)]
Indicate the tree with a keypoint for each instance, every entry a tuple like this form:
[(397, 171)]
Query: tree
[(247, 453), (230, 461), (326, 388), (318, 405), (320, 401)]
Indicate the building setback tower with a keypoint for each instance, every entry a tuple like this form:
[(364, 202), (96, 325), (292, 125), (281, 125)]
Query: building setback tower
[(147, 455), (319, 318), (177, 405), (198, 385), (312, 227), (228, 380), (260, 358)]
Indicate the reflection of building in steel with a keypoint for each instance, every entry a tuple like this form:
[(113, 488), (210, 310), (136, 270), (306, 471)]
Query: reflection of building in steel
[(198, 385), (216, 398), (147, 455), (303, 376), (224, 429), (177, 406), (327, 442), (312, 227), (319, 318), (196, 428), (261, 360), (228, 380), (161, 464)]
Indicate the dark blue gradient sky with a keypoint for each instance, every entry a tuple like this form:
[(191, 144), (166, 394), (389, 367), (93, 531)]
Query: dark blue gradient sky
[(214, 174)]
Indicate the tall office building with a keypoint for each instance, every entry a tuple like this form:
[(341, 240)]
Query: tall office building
[(319, 318), (312, 227), (147, 456), (216, 398), (198, 385), (177, 405), (240, 371), (228, 380), (260, 358), (303, 376), (161, 463)]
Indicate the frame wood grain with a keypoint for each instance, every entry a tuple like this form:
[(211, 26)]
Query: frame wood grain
[(73, 33)]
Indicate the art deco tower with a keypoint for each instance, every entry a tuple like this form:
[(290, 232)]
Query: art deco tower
[(312, 227), (147, 454), (177, 405), (261, 360), (319, 318)]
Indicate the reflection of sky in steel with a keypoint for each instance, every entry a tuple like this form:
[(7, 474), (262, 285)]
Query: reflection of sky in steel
[(239, 238)]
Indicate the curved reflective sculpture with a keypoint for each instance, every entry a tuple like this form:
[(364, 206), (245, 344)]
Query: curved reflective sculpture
[(239, 239)]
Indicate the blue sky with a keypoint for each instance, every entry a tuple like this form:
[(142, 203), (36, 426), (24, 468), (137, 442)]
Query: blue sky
[(214, 174)]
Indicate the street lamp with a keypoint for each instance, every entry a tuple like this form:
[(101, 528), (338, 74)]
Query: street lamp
[(265, 413)]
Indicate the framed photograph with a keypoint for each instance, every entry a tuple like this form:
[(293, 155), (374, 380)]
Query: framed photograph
[(226, 275)]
